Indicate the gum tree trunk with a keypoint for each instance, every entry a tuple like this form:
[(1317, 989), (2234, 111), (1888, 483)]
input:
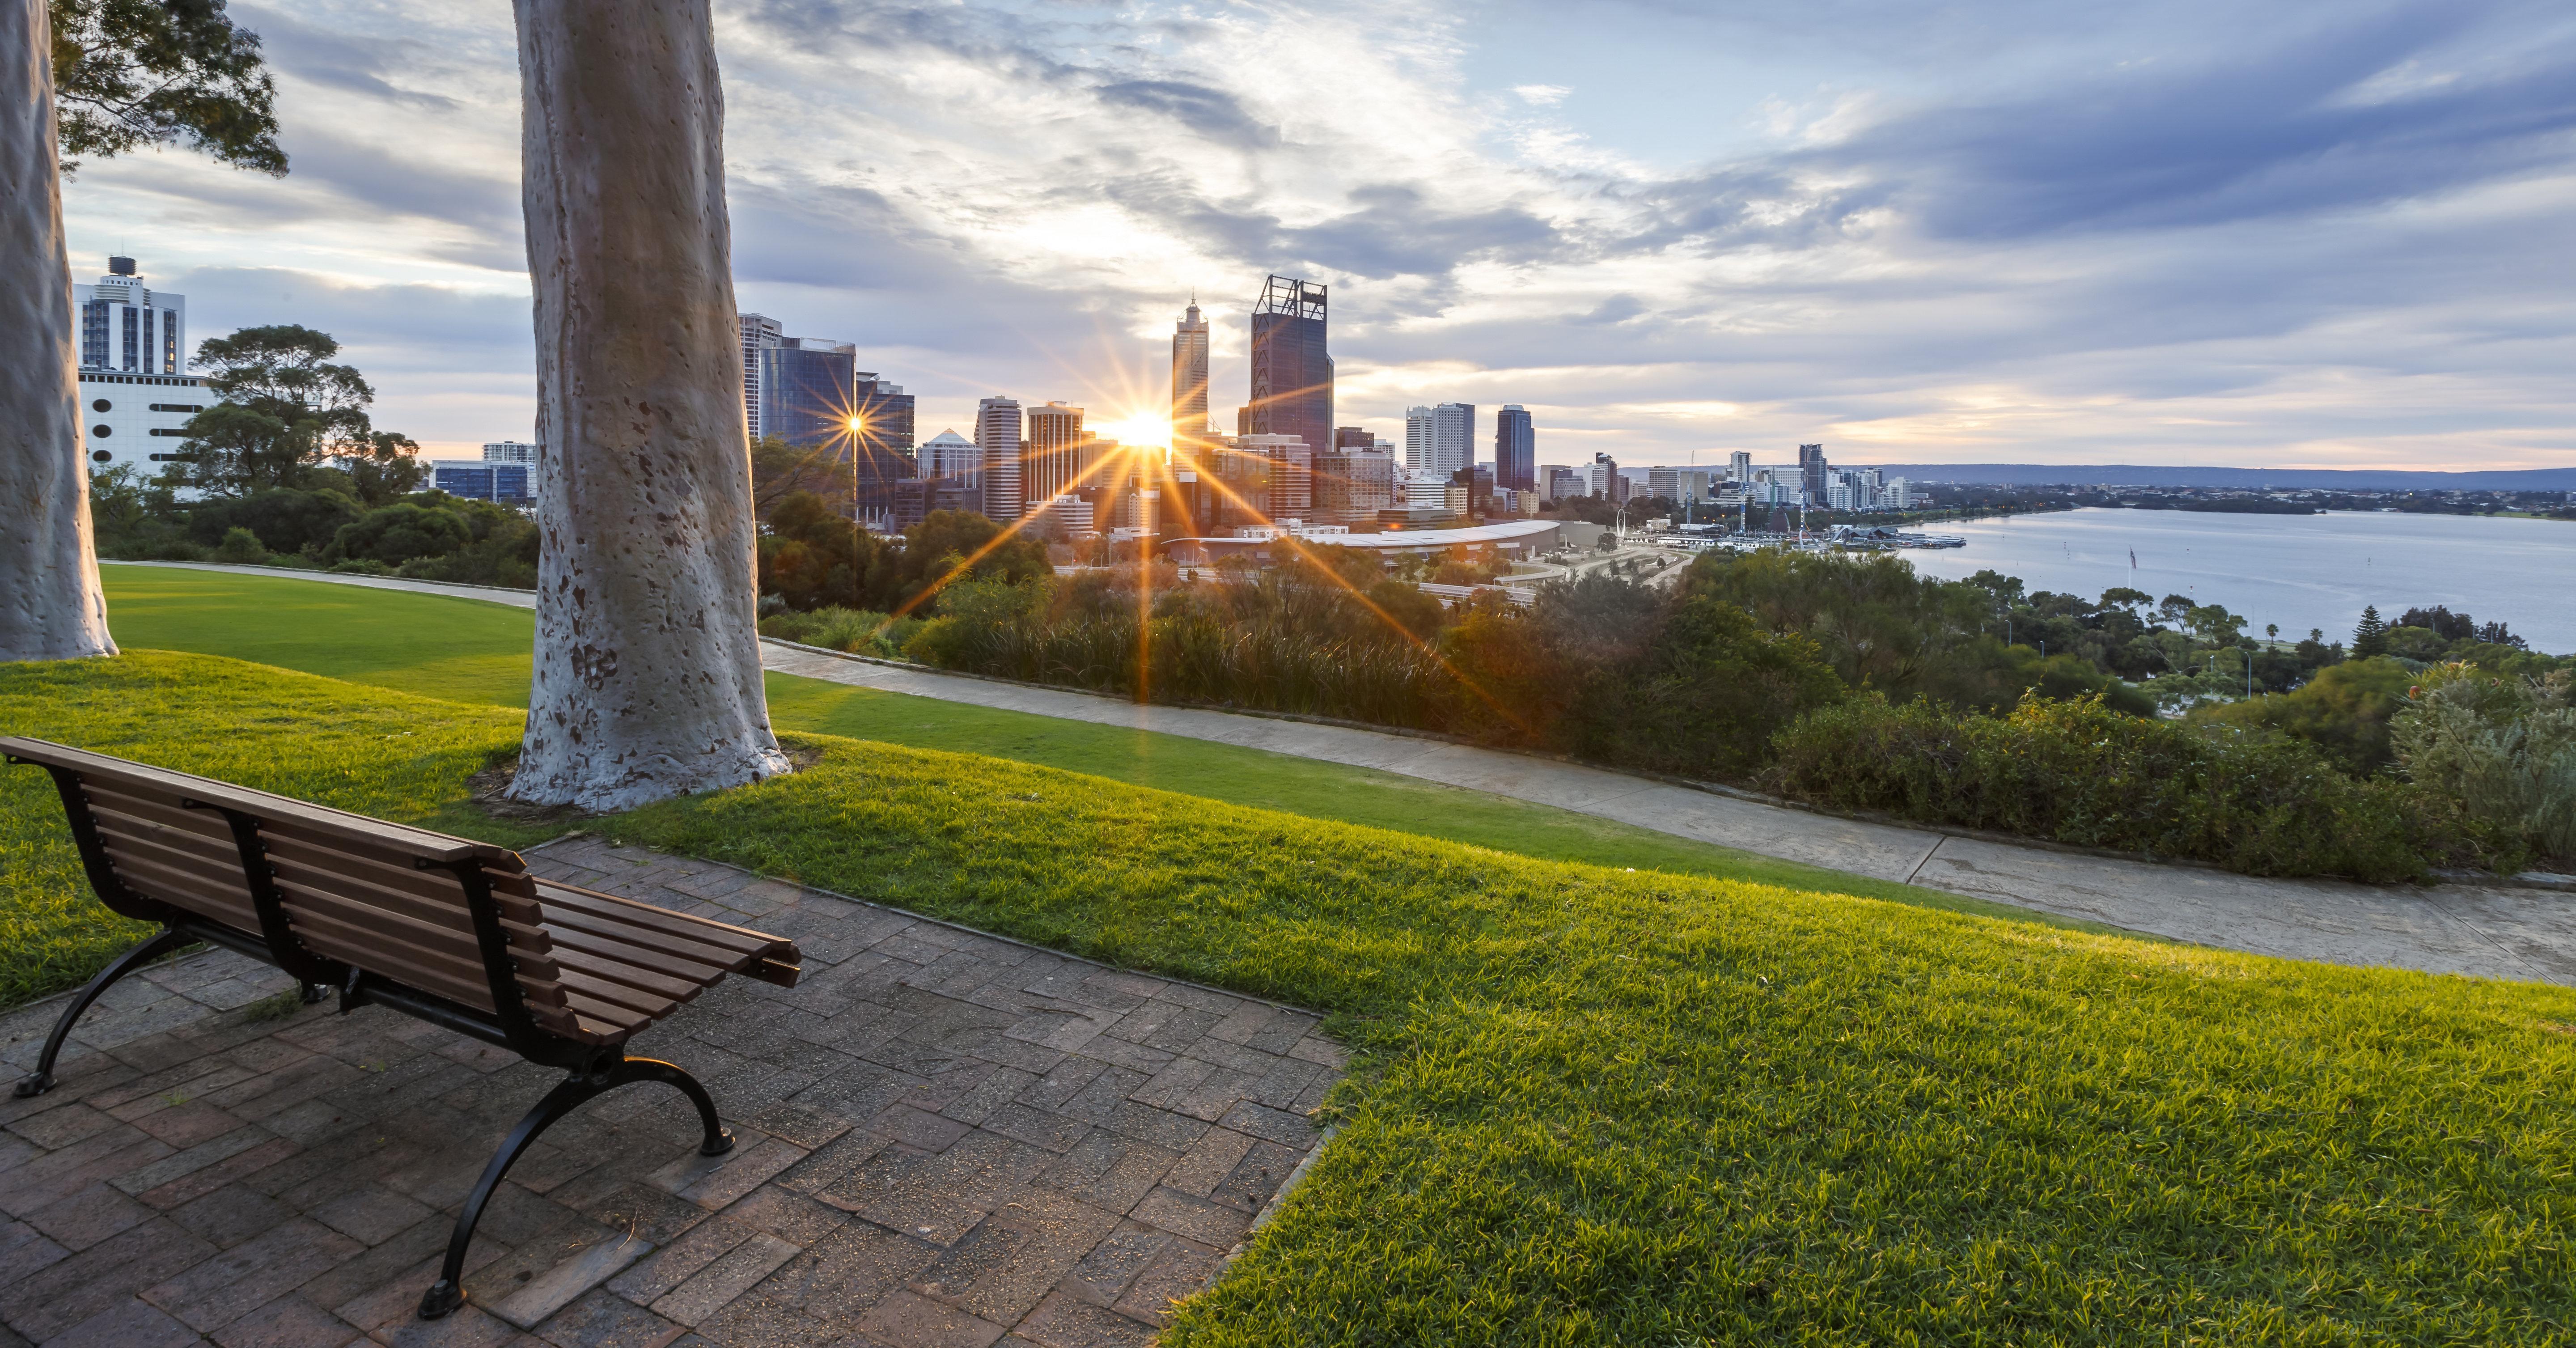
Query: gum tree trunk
[(648, 658), (50, 605)]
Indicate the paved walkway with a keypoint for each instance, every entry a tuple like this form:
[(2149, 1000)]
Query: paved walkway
[(2485, 932), (943, 1138)]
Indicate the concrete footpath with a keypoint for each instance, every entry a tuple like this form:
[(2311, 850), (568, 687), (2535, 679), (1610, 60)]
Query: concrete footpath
[(2514, 933)]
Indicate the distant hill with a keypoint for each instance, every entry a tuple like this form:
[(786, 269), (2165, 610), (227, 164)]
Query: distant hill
[(2142, 475)]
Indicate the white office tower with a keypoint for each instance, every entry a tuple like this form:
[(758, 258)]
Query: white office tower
[(133, 346), (951, 457), (997, 433), (1417, 439), (1453, 437), (759, 333), (1739, 466), (1898, 494), (126, 326), (1190, 376), (1422, 491), (509, 451), (1057, 455)]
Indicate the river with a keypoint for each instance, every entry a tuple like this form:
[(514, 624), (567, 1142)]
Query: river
[(2300, 571)]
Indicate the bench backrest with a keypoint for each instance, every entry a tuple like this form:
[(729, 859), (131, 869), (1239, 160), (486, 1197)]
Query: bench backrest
[(394, 901)]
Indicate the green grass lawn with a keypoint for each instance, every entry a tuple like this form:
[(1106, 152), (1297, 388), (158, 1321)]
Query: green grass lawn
[(1597, 1107), (469, 651)]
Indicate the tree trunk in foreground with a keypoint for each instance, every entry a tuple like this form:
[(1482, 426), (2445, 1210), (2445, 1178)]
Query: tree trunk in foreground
[(50, 605), (648, 654)]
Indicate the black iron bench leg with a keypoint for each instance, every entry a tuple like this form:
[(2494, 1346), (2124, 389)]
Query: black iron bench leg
[(42, 1079), (448, 1292)]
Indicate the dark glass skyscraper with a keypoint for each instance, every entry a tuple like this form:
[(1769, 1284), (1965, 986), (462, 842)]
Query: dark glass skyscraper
[(1515, 449), (1292, 373), (813, 396)]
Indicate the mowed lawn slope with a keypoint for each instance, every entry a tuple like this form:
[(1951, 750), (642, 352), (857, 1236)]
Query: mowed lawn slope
[(1595, 1107), (469, 651)]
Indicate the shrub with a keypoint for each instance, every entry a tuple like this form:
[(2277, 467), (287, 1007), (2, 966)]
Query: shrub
[(2344, 711), (240, 546), (398, 533), (857, 631), (284, 519), (2501, 750), (2079, 773)]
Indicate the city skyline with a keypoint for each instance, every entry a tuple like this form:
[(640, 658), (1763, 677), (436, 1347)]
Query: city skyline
[(2284, 239)]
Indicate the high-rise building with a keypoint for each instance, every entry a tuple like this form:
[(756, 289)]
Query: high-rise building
[(509, 451), (1515, 449), (1353, 437), (997, 433), (1453, 437), (1269, 479), (1811, 471), (128, 327), (758, 333), (1739, 467), (1417, 439), (1606, 482), (1354, 482), (1558, 482), (1190, 424), (1055, 454), (885, 415), (808, 390), (1292, 372)]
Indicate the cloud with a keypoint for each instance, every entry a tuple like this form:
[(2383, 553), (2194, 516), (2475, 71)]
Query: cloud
[(2188, 231)]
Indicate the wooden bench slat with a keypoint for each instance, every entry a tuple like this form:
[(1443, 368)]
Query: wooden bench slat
[(185, 889), (220, 861), (651, 982), (449, 917), (611, 945), (645, 1004), (620, 1020), (158, 812), (389, 955), (534, 966), (266, 805), (686, 926), (566, 916), (436, 885)]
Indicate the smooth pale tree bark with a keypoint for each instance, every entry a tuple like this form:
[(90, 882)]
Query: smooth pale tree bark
[(50, 604), (648, 654)]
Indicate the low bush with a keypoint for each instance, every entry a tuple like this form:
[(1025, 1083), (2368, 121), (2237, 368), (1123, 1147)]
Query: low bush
[(856, 631), (240, 546), (2344, 712), (2079, 773), (2502, 750)]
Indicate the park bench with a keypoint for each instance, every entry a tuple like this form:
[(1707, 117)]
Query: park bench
[(454, 932)]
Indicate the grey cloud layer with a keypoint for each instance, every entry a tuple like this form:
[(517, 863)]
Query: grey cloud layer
[(2198, 223)]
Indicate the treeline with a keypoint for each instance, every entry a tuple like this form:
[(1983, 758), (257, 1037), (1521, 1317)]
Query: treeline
[(1847, 681)]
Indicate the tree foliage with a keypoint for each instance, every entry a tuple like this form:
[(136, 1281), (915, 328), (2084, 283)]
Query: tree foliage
[(287, 410), (132, 73)]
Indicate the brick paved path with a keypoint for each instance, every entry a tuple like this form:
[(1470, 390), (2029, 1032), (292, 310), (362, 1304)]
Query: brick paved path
[(945, 1139)]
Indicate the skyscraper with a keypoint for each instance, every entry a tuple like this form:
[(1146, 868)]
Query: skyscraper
[(997, 433), (1292, 373), (808, 388), (1055, 455), (1190, 423), (1739, 466), (1417, 439), (885, 415), (125, 326), (1453, 437), (1515, 449), (759, 333), (1811, 472)]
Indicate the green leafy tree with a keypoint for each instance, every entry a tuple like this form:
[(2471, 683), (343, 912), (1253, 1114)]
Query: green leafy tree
[(132, 73), (2370, 635), (287, 409), (399, 533)]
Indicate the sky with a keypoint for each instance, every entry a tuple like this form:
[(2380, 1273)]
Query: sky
[(2327, 233)]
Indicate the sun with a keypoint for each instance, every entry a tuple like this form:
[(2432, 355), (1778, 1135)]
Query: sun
[(1142, 429)]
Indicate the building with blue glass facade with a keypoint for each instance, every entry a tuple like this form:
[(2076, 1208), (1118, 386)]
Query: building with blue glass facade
[(493, 480), (1515, 449), (1292, 372)]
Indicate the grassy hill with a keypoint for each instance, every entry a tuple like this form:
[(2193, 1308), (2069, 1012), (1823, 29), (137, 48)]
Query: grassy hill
[(1594, 1106), (469, 651)]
